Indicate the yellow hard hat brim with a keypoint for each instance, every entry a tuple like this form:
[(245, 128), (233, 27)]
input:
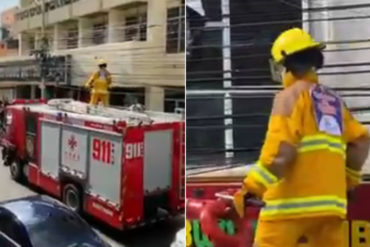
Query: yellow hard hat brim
[(102, 62), (318, 45)]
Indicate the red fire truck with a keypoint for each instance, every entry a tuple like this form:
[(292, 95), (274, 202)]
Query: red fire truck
[(123, 167)]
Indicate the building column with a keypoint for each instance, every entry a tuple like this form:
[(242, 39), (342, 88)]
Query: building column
[(84, 32), (58, 38), (154, 98), (157, 22), (116, 22), (38, 40), (33, 91), (24, 46), (16, 92), (21, 46)]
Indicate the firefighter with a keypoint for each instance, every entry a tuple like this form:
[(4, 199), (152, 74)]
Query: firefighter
[(99, 83), (313, 153)]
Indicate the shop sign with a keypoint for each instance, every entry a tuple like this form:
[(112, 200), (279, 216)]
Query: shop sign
[(37, 10)]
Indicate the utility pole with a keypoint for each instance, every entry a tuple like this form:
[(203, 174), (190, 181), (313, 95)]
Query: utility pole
[(227, 84), (44, 50)]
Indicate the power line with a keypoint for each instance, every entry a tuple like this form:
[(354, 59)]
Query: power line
[(206, 125)]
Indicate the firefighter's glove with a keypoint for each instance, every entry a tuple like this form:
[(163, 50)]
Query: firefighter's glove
[(353, 178), (239, 201), (89, 85)]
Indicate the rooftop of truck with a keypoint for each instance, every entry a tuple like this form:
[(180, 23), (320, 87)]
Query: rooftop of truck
[(99, 114)]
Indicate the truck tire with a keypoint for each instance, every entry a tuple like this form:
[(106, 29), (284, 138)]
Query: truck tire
[(72, 197), (16, 171)]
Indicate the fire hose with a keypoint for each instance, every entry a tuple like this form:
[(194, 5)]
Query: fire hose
[(218, 209)]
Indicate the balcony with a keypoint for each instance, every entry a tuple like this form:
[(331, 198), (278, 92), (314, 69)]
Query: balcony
[(108, 4), (60, 14), (57, 11), (86, 7)]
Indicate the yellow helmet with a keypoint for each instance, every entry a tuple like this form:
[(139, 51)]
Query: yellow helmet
[(292, 41), (101, 62)]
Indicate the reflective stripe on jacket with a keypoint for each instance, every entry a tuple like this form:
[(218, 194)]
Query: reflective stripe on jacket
[(301, 171)]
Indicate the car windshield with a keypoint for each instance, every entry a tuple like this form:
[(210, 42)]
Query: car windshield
[(52, 225), (63, 231)]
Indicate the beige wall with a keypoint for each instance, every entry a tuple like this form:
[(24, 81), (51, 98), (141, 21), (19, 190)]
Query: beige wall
[(78, 9), (25, 3), (132, 63), (7, 52), (143, 67), (154, 98)]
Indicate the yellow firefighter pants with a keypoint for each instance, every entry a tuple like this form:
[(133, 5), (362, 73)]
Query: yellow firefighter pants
[(307, 232), (96, 97)]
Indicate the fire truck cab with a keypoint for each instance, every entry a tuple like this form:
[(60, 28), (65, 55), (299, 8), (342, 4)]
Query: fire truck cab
[(122, 167)]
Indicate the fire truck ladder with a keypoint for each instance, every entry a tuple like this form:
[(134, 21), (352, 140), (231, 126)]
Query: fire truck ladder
[(69, 105)]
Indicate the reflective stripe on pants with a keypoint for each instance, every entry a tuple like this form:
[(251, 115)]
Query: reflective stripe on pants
[(304, 205)]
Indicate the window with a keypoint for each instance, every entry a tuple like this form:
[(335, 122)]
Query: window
[(99, 33), (204, 66), (45, 230), (31, 124), (212, 9), (72, 38), (31, 43), (49, 40), (31, 128), (176, 30), (174, 100), (6, 241), (136, 27), (12, 44), (10, 232), (127, 97)]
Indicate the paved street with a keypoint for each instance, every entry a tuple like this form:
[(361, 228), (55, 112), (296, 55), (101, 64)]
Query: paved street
[(159, 235)]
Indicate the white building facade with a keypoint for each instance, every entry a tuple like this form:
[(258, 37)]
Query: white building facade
[(143, 42), (343, 26)]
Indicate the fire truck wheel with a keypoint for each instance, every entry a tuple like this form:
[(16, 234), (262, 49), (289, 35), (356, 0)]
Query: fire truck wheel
[(72, 197), (16, 171)]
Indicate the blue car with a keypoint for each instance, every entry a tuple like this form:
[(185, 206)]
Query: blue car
[(40, 221)]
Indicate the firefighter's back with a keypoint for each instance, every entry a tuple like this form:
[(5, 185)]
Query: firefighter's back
[(314, 184)]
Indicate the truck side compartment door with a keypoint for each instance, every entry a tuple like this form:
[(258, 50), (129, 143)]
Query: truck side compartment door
[(105, 172), (50, 149), (31, 133)]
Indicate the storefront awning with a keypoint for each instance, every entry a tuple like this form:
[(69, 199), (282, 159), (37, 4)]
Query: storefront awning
[(58, 70)]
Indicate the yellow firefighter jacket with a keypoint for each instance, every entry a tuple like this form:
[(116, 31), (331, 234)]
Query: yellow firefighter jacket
[(309, 129), (100, 82)]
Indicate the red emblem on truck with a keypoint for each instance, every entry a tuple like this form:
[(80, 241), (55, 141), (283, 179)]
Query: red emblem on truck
[(72, 142)]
